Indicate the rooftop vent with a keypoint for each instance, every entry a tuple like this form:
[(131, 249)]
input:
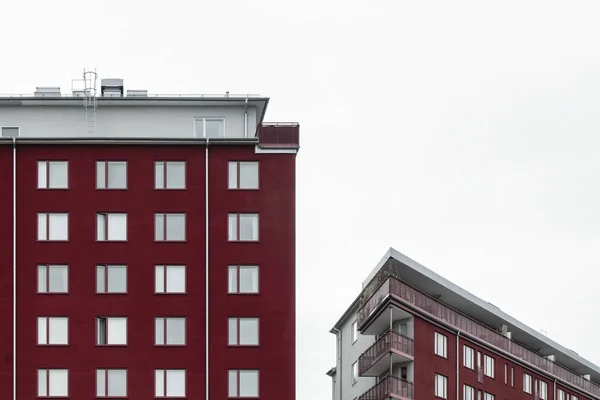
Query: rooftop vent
[(47, 91), (137, 93), (111, 87)]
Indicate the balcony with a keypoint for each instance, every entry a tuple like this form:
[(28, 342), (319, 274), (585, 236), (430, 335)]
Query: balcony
[(391, 387), (375, 296), (282, 134), (373, 362)]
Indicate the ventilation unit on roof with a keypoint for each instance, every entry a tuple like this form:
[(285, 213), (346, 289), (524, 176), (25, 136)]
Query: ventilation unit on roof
[(137, 93), (47, 91), (111, 87)]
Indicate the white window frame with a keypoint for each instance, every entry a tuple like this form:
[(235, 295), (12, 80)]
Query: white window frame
[(44, 328), (203, 120), (5, 129), (440, 344), (234, 383), (512, 376), (488, 396), (354, 336), (163, 271), (527, 383), (354, 372), (106, 330), (102, 182), (104, 271), (163, 168), (44, 222), (44, 172), (45, 386), (103, 224), (506, 374), (233, 286), (543, 390), (103, 378), (236, 332), (43, 278), (441, 386), (162, 384), (560, 394), (163, 322), (165, 217), (488, 366), (468, 392), (234, 227), (235, 178), (468, 357)]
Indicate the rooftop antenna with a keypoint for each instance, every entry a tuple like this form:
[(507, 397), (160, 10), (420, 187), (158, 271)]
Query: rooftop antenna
[(86, 88)]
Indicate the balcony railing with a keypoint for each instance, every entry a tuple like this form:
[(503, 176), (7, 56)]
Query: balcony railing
[(390, 386), (282, 134), (429, 306), (390, 341)]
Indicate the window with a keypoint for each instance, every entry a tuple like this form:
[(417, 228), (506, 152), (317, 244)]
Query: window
[(543, 391), (111, 175), (440, 344), (169, 175), (111, 331), (169, 278), (111, 383), (53, 226), (9, 131), (488, 396), (53, 330), (111, 278), (243, 279), (354, 331), (506, 374), (243, 332), (243, 227), (53, 174), (209, 127), (561, 394), (169, 383), (243, 383), (53, 279), (169, 331), (468, 357), (527, 383), (354, 372), (243, 175), (441, 386), (479, 395), (468, 392), (574, 397), (169, 227), (488, 367), (53, 383), (111, 227), (512, 376)]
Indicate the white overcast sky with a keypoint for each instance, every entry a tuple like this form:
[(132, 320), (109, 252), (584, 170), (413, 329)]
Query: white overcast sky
[(462, 133)]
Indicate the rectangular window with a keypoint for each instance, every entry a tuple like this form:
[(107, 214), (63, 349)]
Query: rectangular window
[(543, 391), (527, 383), (111, 227), (53, 175), (488, 367), (488, 396), (169, 331), (53, 330), (441, 386), (169, 278), (574, 397), (111, 279), (169, 383), (512, 376), (441, 342), (468, 357), (169, 175), (561, 394), (111, 331), (243, 332), (243, 279), (243, 175), (468, 392), (354, 372), (243, 383), (243, 227), (111, 175), (53, 279), (209, 127), (53, 383), (169, 227), (354, 331), (10, 131), (53, 226), (479, 395), (506, 374), (111, 383)]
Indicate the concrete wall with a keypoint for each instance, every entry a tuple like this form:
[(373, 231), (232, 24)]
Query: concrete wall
[(123, 121)]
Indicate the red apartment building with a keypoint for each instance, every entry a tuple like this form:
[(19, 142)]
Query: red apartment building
[(147, 246), (411, 334)]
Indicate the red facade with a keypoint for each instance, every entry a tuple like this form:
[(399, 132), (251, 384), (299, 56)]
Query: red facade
[(274, 253)]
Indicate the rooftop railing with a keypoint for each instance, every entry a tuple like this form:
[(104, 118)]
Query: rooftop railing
[(390, 386), (168, 95)]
